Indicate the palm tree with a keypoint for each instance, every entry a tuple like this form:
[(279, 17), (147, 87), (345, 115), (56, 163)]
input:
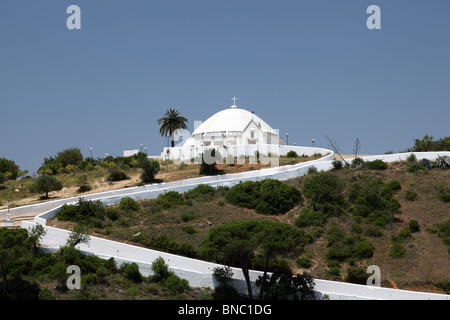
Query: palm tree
[(171, 122)]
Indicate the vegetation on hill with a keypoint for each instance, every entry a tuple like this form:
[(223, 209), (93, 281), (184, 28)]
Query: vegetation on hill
[(348, 219), (37, 275)]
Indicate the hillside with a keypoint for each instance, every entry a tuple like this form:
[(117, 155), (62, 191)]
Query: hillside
[(181, 227), (17, 191)]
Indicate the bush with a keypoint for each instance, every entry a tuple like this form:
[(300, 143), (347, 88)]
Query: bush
[(411, 158), (131, 272), (337, 165), (312, 170), (128, 204), (160, 269), (84, 211), (373, 232), (268, 196), (188, 229), (83, 189), (117, 175), (444, 197), (358, 163), (304, 262), (411, 195), (202, 192), (169, 199), (176, 284), (371, 201), (397, 250), (324, 192), (357, 275), (376, 165), (392, 186), (309, 217), (150, 168), (414, 226), (291, 154), (416, 167)]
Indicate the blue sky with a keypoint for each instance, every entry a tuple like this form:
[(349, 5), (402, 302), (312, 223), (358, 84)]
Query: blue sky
[(308, 68)]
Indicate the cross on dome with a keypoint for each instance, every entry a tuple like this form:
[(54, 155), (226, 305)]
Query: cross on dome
[(234, 101)]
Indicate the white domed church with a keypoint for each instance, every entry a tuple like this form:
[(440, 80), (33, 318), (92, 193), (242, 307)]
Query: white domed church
[(234, 131)]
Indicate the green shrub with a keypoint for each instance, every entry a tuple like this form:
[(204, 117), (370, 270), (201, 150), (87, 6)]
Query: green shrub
[(291, 154), (128, 204), (397, 250), (268, 196), (304, 262), (309, 217), (169, 199), (411, 158), (150, 168), (324, 192), (46, 294), (371, 201), (357, 275), (201, 192), (83, 189), (131, 272), (373, 232), (358, 163), (413, 226), (175, 284), (160, 269), (84, 211), (337, 165), (112, 214), (117, 175), (188, 229), (411, 195), (444, 285), (392, 186), (444, 197), (245, 194), (364, 249), (187, 216), (376, 165), (356, 228), (404, 234), (312, 170), (415, 168)]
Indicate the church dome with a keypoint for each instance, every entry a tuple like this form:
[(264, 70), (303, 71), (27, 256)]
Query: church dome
[(232, 120)]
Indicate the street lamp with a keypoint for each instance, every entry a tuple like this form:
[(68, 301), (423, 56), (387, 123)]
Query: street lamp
[(313, 142), (287, 139), (145, 149), (141, 147), (90, 152)]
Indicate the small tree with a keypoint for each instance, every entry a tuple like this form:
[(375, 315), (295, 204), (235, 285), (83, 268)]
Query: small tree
[(46, 184), (78, 235), (150, 168), (36, 233)]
